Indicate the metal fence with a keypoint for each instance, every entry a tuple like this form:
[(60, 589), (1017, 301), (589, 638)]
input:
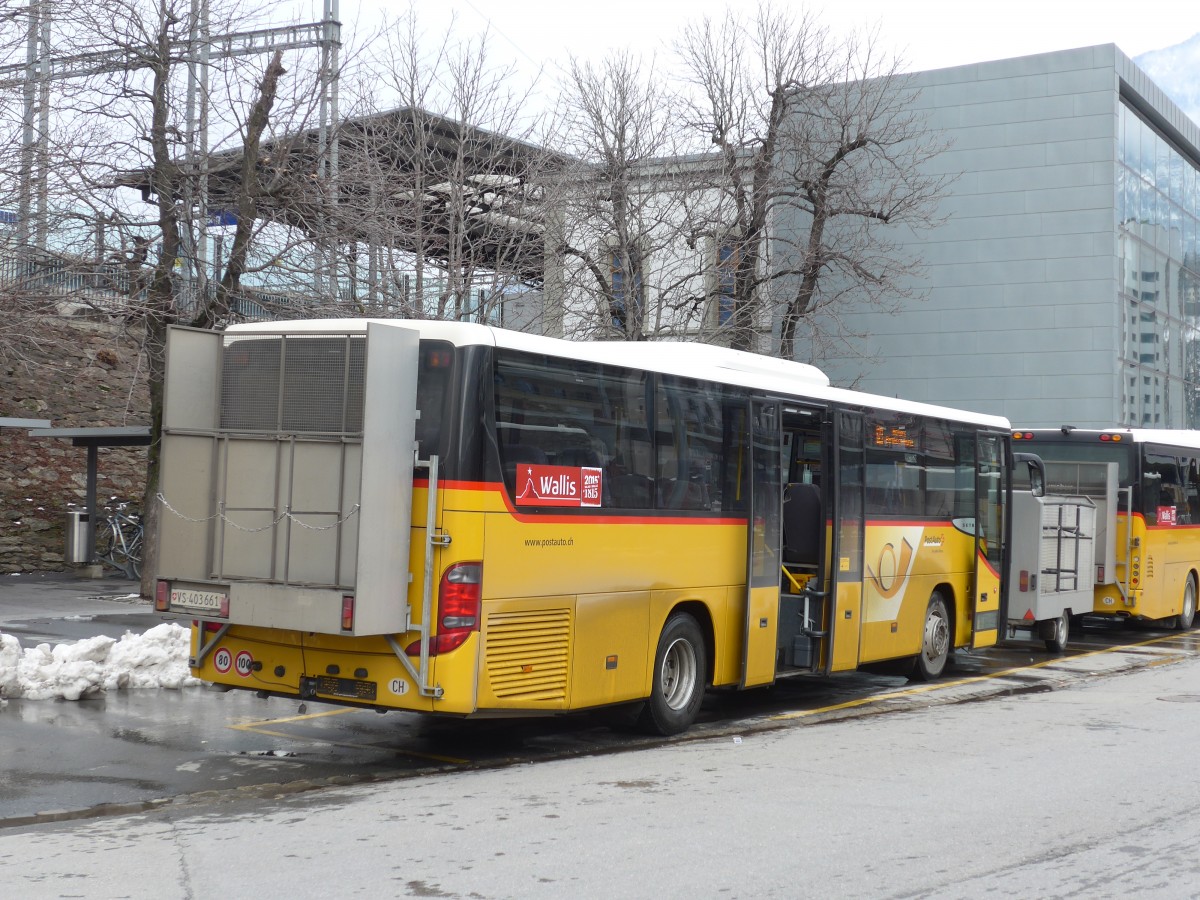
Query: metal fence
[(75, 284), (116, 288)]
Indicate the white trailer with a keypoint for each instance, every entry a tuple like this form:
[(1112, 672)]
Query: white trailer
[(1051, 564)]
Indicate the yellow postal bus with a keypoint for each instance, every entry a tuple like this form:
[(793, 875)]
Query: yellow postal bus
[(455, 519), (1146, 486)]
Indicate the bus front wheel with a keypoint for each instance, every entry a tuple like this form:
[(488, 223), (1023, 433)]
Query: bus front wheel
[(1188, 614), (935, 642), (680, 672)]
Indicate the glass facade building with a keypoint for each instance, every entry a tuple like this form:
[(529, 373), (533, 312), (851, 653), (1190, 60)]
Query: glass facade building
[(1158, 211), (1062, 283)]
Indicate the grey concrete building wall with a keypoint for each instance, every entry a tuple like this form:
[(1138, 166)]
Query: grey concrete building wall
[(1021, 315)]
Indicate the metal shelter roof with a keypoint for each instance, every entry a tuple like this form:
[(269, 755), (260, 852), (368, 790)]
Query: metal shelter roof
[(407, 179), (126, 436), (93, 439)]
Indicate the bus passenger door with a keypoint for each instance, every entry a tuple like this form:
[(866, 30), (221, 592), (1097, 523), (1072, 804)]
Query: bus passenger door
[(844, 623), (990, 491), (764, 536)]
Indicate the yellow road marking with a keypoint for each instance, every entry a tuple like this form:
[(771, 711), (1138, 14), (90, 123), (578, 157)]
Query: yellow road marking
[(975, 679), (298, 718)]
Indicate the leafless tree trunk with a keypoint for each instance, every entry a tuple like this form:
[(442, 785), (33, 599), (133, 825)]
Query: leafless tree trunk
[(441, 178), (624, 205), (121, 122), (250, 194), (821, 151)]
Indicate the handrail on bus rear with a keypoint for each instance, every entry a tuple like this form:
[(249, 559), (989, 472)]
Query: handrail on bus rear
[(420, 675), (1126, 563)]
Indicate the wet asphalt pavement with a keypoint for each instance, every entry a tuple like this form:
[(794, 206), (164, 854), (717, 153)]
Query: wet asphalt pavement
[(135, 749)]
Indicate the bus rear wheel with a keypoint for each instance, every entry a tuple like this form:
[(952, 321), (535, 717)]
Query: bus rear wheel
[(680, 672), (1188, 614), (935, 643)]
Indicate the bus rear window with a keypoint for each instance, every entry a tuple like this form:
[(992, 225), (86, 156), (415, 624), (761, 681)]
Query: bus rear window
[(434, 373), (1080, 452)]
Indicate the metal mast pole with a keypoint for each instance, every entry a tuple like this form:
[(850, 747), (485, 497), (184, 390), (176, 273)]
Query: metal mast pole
[(25, 198)]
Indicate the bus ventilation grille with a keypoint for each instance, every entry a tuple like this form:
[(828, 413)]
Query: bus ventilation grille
[(526, 654)]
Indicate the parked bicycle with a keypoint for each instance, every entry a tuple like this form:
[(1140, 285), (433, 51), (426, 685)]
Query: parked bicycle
[(119, 541)]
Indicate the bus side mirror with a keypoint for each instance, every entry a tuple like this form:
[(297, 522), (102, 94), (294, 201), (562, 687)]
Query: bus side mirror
[(1037, 472), (1037, 478)]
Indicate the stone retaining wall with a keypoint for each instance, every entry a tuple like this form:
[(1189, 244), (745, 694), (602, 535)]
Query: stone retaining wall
[(80, 374)]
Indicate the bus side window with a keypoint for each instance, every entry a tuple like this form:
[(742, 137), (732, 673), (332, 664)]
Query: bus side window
[(632, 491), (1161, 487), (1191, 487)]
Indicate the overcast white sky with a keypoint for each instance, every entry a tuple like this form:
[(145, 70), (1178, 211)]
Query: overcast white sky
[(926, 33)]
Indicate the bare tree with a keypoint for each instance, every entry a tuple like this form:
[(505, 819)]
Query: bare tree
[(822, 152), (622, 209), (129, 120), (441, 181)]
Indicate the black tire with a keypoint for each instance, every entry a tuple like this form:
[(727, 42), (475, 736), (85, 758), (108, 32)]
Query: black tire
[(133, 567), (1185, 619), (936, 643), (106, 544), (680, 674), (1057, 632)]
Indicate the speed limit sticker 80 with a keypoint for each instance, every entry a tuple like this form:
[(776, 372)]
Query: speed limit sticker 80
[(224, 660)]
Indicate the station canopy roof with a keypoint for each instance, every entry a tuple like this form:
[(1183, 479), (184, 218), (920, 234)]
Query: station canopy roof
[(406, 179)]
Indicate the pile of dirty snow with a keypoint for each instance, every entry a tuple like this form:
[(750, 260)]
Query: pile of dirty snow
[(82, 669)]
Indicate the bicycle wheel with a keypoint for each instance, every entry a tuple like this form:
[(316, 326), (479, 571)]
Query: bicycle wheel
[(107, 544), (133, 556)]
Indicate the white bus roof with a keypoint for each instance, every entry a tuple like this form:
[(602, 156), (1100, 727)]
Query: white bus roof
[(1168, 436), (684, 359)]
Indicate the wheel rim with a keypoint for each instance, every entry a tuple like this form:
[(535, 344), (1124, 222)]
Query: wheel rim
[(937, 635), (1189, 600), (1061, 629), (679, 674)]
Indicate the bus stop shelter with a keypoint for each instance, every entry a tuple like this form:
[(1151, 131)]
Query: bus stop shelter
[(93, 439)]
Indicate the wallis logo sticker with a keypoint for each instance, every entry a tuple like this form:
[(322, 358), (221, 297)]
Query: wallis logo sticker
[(558, 485)]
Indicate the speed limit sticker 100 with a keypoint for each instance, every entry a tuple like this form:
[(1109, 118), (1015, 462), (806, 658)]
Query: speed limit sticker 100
[(223, 661), (244, 663)]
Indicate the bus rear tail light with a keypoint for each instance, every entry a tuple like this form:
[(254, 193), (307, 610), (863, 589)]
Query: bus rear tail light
[(457, 609), (162, 597), (348, 612)]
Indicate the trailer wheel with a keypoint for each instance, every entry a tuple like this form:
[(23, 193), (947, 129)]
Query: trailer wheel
[(1185, 618), (935, 644), (680, 669), (1056, 638)]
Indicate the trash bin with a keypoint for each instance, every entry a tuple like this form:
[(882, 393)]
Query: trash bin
[(77, 550)]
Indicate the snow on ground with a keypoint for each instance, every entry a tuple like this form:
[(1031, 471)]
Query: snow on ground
[(81, 669)]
